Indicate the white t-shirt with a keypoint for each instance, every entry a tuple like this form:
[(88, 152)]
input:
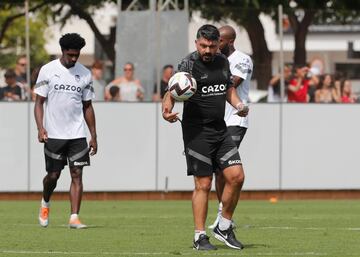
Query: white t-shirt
[(241, 66), (64, 89)]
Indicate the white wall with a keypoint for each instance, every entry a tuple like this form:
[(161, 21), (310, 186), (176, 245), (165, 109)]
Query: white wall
[(139, 151)]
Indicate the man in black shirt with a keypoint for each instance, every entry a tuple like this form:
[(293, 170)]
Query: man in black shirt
[(208, 145), (12, 91), (167, 72)]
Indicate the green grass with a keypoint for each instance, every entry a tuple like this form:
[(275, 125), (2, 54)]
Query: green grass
[(165, 228)]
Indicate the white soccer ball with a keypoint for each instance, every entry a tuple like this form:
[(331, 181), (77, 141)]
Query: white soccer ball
[(182, 86)]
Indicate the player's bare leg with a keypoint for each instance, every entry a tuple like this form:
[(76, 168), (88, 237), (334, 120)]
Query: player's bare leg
[(49, 185), (219, 185), (200, 200), (234, 180), (76, 190)]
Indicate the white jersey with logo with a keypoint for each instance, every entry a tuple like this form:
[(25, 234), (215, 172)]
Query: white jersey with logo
[(241, 66), (64, 89)]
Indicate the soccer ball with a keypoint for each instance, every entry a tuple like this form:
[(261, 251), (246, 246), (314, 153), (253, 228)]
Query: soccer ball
[(182, 86)]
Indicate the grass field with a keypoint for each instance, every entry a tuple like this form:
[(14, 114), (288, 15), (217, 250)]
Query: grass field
[(164, 228)]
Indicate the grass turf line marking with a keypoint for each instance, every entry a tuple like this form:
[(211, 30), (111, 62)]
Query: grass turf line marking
[(235, 253)]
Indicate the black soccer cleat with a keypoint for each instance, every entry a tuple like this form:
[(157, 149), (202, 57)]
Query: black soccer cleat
[(228, 237), (203, 244)]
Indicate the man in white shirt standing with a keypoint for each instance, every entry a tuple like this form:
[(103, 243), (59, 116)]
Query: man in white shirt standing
[(65, 86), (241, 67)]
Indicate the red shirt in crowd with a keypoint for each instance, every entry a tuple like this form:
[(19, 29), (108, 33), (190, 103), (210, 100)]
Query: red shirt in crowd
[(299, 96), (346, 99)]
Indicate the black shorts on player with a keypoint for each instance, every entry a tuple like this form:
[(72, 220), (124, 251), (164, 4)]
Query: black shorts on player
[(60, 152), (237, 134), (203, 153)]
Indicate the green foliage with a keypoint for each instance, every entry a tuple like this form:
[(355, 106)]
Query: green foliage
[(14, 39), (238, 10)]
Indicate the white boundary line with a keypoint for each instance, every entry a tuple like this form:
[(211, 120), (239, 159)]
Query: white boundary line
[(190, 253), (299, 228), (243, 227)]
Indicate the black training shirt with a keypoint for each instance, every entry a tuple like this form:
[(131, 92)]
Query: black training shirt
[(206, 107)]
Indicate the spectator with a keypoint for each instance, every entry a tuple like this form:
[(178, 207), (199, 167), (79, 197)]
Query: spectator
[(298, 86), (98, 83), (13, 90), (337, 87), (314, 83), (1, 93), (337, 90), (130, 87), (20, 69), (114, 93), (326, 92), (167, 72), (274, 90), (347, 95)]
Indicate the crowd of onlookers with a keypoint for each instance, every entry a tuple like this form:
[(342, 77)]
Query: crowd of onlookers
[(302, 85), (125, 88), (16, 88)]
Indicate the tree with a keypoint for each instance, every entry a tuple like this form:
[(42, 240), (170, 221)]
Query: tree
[(301, 13), (12, 41), (246, 14), (304, 13), (61, 11)]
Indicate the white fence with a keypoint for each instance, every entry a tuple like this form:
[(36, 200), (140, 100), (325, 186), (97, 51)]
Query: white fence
[(294, 146)]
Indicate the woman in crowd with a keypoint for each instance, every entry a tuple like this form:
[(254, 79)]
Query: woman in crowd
[(130, 87), (326, 92), (347, 95)]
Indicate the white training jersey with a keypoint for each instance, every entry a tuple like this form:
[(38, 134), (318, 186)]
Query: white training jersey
[(241, 66), (64, 89)]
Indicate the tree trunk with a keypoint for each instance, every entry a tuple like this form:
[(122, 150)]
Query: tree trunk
[(108, 46), (300, 37), (262, 57)]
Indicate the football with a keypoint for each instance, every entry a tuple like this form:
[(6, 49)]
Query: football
[(182, 86)]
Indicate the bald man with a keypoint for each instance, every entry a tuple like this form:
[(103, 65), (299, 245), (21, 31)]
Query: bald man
[(241, 67)]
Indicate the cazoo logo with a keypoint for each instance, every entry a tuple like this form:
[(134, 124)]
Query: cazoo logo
[(214, 89), (67, 88), (231, 162)]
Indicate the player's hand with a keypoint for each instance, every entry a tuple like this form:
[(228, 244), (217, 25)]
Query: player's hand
[(243, 109), (169, 116), (93, 146), (42, 135)]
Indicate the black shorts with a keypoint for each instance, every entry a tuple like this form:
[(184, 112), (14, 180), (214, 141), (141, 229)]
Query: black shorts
[(58, 152), (204, 155), (237, 134)]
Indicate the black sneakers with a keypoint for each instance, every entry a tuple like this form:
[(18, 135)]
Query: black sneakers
[(227, 237), (203, 243)]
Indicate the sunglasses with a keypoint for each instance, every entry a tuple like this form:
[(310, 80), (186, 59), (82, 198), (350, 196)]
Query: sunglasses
[(22, 64), (128, 69)]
